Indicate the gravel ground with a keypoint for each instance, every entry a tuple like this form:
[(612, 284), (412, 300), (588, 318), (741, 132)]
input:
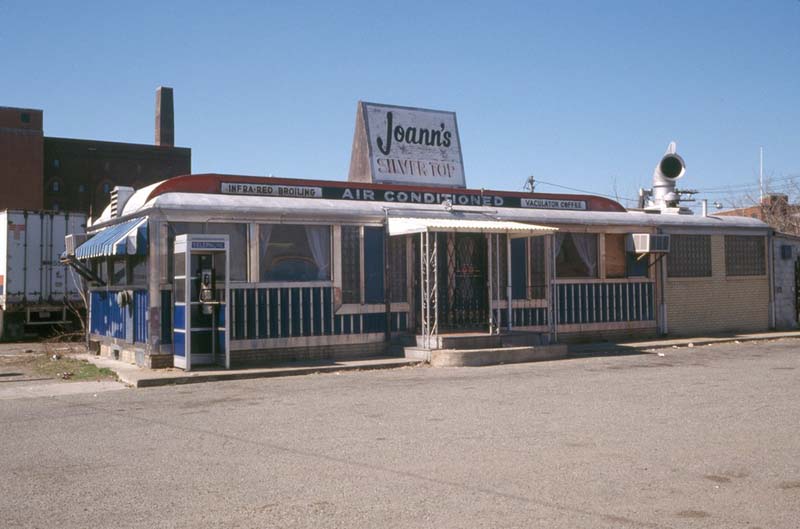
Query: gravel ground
[(701, 437)]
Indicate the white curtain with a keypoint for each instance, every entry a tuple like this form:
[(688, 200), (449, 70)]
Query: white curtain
[(559, 241), (319, 241), (264, 234), (586, 244)]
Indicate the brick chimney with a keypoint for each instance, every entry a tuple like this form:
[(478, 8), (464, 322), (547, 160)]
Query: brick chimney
[(165, 117)]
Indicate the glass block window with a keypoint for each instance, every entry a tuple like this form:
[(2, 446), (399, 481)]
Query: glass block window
[(745, 255), (397, 266), (689, 256), (351, 264)]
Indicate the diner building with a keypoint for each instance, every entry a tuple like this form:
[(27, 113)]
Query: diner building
[(236, 270)]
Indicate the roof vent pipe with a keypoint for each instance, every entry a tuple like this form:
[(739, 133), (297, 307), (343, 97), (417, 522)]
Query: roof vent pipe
[(705, 207)]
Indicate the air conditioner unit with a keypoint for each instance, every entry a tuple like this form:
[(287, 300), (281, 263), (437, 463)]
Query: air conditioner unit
[(647, 243), (72, 242)]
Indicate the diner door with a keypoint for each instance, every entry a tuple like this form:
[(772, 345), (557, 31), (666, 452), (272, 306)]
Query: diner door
[(200, 309), (462, 273)]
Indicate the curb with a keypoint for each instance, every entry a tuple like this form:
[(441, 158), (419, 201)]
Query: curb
[(666, 344)]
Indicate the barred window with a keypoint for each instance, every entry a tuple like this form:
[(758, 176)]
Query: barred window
[(744, 255), (351, 264), (689, 256)]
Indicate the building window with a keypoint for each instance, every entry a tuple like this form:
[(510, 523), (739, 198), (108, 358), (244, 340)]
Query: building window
[(138, 265), (292, 252), (689, 256), (528, 272), (538, 278), (55, 187), (576, 255), (237, 236), (745, 255), (397, 265), (118, 272), (81, 188), (351, 264), (25, 117), (56, 163), (56, 206), (106, 187)]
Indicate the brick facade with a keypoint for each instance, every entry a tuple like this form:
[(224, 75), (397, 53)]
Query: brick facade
[(21, 154), (717, 304)]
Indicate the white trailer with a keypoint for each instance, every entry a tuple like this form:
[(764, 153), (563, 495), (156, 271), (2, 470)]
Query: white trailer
[(35, 288)]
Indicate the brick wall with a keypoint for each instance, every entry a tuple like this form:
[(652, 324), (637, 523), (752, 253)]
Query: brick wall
[(717, 304), (21, 158), (784, 269)]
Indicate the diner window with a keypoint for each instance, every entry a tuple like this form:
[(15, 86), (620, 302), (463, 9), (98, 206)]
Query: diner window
[(576, 255), (745, 255), (499, 267), (138, 264), (538, 278), (616, 256), (351, 264), (689, 256), (238, 248), (119, 272), (528, 273), (293, 252), (397, 266), (237, 236)]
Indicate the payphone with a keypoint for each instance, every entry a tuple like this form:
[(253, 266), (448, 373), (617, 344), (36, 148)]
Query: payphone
[(200, 308)]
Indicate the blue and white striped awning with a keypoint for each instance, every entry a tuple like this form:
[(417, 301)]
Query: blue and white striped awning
[(126, 238)]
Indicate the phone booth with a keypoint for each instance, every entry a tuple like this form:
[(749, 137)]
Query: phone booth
[(200, 301)]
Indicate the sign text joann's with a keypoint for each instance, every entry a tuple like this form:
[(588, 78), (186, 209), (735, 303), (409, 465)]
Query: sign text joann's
[(406, 145)]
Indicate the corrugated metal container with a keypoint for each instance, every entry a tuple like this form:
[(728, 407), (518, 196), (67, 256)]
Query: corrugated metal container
[(31, 277)]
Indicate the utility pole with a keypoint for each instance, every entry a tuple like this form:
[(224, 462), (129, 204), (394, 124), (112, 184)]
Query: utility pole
[(530, 184)]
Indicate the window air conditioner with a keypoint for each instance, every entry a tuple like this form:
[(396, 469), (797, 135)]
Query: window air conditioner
[(647, 243), (73, 241)]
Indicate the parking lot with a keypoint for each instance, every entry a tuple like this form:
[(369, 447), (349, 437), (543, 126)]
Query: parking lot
[(699, 437)]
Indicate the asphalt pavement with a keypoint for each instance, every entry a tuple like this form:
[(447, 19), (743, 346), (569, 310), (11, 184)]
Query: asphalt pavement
[(707, 436)]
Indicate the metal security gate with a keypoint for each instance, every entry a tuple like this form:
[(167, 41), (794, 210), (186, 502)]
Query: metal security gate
[(462, 282)]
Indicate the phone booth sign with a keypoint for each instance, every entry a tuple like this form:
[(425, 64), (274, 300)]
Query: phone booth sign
[(200, 307)]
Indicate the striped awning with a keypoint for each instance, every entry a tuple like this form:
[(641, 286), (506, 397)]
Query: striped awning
[(126, 238), (404, 226)]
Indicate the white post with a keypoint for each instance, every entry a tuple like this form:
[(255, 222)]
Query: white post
[(490, 255), (508, 279)]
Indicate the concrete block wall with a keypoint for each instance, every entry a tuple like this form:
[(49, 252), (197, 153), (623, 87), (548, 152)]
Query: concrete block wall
[(784, 283), (718, 304)]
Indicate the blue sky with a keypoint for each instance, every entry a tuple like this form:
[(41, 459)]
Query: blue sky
[(581, 94)]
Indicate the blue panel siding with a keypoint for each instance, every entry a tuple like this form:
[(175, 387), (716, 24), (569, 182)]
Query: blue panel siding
[(604, 302), (110, 319), (179, 316), (179, 344), (268, 314), (141, 303)]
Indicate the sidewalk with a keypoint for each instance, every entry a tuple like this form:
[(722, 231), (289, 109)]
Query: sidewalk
[(141, 377), (596, 348)]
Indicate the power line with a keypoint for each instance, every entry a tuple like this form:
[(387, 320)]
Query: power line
[(586, 191)]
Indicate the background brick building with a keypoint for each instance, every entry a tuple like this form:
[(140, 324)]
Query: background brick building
[(39, 172)]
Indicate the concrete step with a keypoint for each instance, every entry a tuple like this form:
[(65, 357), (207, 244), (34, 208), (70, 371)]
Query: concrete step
[(495, 355), (483, 340)]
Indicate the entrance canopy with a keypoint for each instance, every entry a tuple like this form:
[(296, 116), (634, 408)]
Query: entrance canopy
[(408, 225)]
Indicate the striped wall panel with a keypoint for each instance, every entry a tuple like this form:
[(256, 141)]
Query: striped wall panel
[(604, 302)]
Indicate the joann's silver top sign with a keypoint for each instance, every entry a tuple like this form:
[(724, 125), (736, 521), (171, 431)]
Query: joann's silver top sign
[(406, 146)]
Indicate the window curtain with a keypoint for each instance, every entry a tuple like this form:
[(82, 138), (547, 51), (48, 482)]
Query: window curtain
[(319, 243), (264, 234), (586, 244), (559, 242)]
